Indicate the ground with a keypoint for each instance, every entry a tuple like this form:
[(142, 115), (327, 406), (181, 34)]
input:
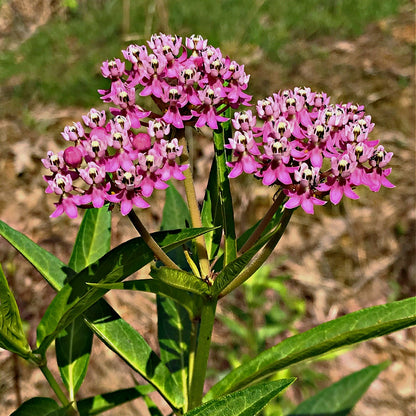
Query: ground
[(342, 259)]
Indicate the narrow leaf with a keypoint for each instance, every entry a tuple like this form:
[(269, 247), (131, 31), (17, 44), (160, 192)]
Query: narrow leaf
[(234, 268), (220, 136), (187, 300), (339, 398), (103, 402), (50, 267), (181, 280), (128, 344), (102, 313), (76, 297), (37, 406), (73, 345), (174, 334), (173, 321), (211, 214), (93, 238), (347, 330), (12, 336), (247, 402)]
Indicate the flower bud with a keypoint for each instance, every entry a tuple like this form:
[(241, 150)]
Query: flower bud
[(73, 157)]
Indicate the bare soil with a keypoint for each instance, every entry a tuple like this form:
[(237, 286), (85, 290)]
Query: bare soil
[(344, 258)]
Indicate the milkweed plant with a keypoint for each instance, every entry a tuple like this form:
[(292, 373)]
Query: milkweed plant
[(311, 151)]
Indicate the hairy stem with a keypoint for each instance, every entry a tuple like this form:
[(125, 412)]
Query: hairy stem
[(258, 260), (263, 223), (151, 243), (194, 208)]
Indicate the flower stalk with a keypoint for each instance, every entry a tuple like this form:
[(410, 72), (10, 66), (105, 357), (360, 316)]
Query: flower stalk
[(194, 208), (151, 243), (263, 223), (258, 260)]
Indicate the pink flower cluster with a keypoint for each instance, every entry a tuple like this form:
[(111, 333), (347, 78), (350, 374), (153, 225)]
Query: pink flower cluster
[(123, 158), (309, 147)]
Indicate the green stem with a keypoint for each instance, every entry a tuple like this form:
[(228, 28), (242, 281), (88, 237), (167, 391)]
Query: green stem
[(200, 360), (258, 260), (263, 223), (58, 391), (193, 207), (151, 243)]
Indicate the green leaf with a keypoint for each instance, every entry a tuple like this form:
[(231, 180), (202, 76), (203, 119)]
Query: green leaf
[(76, 296), (211, 214), (37, 406), (187, 300), (73, 345), (233, 269), (247, 402), (175, 216), (12, 336), (128, 344), (174, 335), (103, 402), (339, 398), (347, 330), (174, 325), (93, 238), (175, 211), (50, 267), (220, 136), (181, 280), (102, 319)]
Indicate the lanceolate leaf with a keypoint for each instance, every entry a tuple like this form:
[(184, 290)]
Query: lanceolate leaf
[(187, 300), (73, 345), (50, 267), (76, 297), (102, 319), (247, 402), (220, 136), (12, 336), (103, 402), (93, 239), (37, 406), (128, 344), (339, 398), (174, 334), (173, 320), (181, 280), (211, 214), (175, 216), (349, 329)]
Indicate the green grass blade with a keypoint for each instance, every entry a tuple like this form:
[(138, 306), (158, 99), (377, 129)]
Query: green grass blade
[(12, 336), (339, 398), (73, 345), (347, 330), (247, 402)]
